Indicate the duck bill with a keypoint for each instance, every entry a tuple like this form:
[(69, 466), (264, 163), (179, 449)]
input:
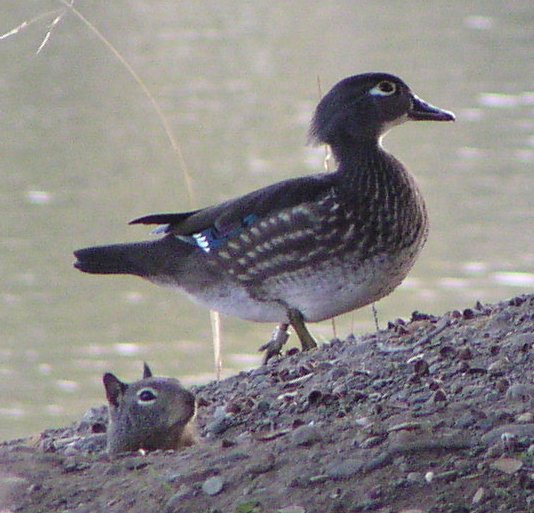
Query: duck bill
[(423, 111)]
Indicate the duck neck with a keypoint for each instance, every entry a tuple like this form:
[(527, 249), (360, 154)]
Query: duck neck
[(362, 157)]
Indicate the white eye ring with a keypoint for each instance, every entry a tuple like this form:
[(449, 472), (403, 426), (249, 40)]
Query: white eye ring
[(146, 396), (384, 88)]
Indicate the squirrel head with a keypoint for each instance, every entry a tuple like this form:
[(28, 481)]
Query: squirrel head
[(152, 413)]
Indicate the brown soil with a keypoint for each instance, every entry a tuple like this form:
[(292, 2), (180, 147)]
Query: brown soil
[(430, 415)]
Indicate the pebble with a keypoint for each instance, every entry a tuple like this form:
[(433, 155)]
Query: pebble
[(306, 435), (507, 465), (340, 390), (415, 477), (520, 392), (135, 463), (464, 353), (219, 412), (213, 485), (500, 321), (525, 418), (465, 421), (439, 396), (260, 371), (337, 372), (372, 441), (220, 425), (263, 406), (521, 340), (172, 477), (499, 367), (405, 426), (176, 500), (494, 451), (93, 418), (344, 469), (71, 464), (421, 368), (262, 466), (519, 430), (292, 509), (479, 495)]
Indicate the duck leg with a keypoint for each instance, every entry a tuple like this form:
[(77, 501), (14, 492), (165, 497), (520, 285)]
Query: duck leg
[(296, 320), (274, 346)]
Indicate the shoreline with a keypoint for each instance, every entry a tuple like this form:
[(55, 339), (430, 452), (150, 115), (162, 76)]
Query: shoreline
[(433, 414)]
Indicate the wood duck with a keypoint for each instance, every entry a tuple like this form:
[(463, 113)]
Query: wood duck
[(304, 249)]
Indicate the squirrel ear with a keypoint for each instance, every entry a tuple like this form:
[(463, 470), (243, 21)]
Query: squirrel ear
[(147, 373), (115, 388)]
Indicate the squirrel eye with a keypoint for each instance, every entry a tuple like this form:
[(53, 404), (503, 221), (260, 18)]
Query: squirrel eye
[(384, 88), (147, 395)]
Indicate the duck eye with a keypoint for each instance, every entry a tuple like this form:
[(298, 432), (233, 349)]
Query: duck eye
[(384, 88), (146, 395)]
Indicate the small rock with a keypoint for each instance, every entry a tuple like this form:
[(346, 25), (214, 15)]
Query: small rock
[(172, 477), (306, 435), (525, 418), (507, 465), (502, 385), (519, 430), (262, 466), (499, 367), (93, 420), (421, 368), (315, 397), (429, 477), (249, 507), (338, 372), (372, 441), (521, 341), (464, 353), (292, 509), (477, 369), (435, 368), (468, 314), (340, 390), (176, 500), (500, 321), (520, 392), (233, 408), (415, 477), (71, 464), (439, 396), (465, 420), (479, 495), (220, 425), (405, 426), (494, 451), (263, 406), (213, 485), (219, 412), (260, 371), (344, 469)]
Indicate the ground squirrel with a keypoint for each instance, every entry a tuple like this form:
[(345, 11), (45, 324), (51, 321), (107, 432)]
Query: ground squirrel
[(152, 413)]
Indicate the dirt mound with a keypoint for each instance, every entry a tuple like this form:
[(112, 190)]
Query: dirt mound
[(434, 414)]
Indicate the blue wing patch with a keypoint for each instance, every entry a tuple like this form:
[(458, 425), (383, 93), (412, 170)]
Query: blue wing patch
[(211, 238)]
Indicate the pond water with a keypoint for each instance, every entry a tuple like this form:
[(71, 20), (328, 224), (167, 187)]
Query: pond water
[(84, 152)]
